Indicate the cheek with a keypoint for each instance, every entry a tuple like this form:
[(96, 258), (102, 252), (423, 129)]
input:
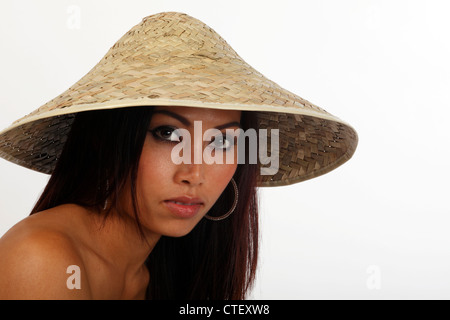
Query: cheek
[(155, 158), (154, 168), (220, 178), (225, 171), (150, 165)]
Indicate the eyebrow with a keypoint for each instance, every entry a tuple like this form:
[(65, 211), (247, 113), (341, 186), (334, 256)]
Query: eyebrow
[(186, 122)]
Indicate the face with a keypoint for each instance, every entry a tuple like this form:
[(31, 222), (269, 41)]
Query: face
[(162, 177)]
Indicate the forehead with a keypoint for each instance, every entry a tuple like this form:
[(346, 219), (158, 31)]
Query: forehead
[(205, 114)]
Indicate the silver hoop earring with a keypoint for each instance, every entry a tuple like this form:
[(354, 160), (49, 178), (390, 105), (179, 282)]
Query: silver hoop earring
[(236, 195)]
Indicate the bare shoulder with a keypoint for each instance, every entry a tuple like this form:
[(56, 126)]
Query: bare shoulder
[(40, 261)]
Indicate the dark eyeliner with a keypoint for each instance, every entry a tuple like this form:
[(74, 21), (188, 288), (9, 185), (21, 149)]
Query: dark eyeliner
[(155, 134)]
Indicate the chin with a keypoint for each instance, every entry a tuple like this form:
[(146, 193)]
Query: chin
[(175, 234), (178, 230)]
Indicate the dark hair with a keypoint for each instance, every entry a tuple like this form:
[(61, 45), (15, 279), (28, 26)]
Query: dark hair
[(216, 260)]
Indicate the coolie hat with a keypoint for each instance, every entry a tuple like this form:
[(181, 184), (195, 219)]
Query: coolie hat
[(173, 59)]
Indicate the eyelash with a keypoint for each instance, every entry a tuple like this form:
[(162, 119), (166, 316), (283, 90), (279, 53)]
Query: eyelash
[(155, 133)]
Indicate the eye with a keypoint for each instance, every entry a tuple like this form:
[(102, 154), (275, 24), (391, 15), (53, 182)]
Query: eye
[(224, 142), (166, 133)]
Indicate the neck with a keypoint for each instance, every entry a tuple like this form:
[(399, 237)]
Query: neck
[(120, 242)]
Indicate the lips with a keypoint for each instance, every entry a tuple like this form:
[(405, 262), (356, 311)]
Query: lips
[(184, 207), (184, 204), (186, 201)]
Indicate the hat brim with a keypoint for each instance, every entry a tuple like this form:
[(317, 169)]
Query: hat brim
[(305, 152)]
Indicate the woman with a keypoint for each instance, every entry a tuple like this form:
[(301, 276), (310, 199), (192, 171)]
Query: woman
[(119, 217), (135, 159)]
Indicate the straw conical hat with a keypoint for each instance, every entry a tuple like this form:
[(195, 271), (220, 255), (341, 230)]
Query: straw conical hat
[(173, 59)]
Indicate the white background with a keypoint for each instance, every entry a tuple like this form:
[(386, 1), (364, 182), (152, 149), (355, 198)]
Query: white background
[(376, 227)]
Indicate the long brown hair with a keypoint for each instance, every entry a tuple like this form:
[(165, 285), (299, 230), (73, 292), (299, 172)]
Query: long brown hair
[(216, 260)]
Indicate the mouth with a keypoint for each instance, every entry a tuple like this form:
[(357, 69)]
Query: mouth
[(184, 204), (186, 201), (183, 210), (184, 207)]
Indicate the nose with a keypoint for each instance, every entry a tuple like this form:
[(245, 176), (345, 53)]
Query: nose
[(191, 174)]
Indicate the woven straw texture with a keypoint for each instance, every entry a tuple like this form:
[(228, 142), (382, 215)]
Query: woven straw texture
[(173, 59)]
